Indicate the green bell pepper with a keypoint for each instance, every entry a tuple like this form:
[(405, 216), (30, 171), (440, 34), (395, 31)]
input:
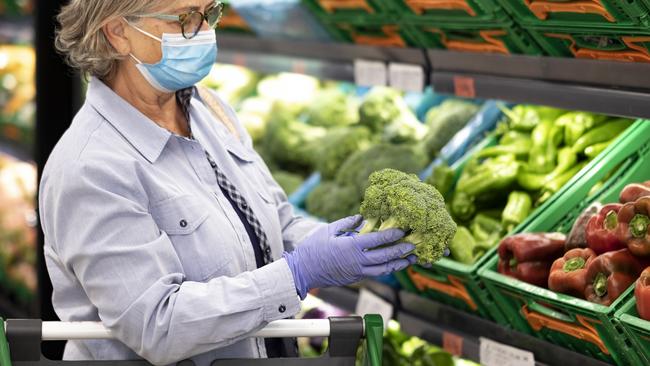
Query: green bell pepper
[(595, 149), (554, 185), (462, 246), (494, 174), (567, 158), (602, 133), (520, 148), (463, 206), (442, 178), (517, 209), (484, 227), (577, 124)]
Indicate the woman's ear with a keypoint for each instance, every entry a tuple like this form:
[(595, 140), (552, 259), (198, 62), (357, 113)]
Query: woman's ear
[(116, 34)]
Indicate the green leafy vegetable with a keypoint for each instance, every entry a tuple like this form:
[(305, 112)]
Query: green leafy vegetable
[(398, 200)]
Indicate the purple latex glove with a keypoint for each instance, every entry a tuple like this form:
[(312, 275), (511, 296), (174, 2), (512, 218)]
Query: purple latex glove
[(328, 258)]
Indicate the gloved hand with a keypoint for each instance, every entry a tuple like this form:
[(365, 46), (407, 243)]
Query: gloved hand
[(328, 257)]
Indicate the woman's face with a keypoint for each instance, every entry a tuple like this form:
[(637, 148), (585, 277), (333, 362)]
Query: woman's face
[(147, 49)]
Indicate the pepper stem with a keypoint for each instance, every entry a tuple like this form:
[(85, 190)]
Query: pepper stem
[(600, 284), (639, 225), (611, 220), (574, 264), (513, 262)]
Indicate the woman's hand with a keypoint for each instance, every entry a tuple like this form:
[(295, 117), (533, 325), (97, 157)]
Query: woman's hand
[(328, 258)]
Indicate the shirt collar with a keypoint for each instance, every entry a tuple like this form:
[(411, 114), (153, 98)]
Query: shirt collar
[(140, 131)]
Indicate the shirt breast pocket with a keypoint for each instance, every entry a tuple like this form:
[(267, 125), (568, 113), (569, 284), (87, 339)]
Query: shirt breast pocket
[(187, 222)]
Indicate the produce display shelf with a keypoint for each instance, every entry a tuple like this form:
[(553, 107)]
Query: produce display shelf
[(575, 323), (433, 321), (608, 87)]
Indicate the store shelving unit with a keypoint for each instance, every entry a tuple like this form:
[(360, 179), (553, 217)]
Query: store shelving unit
[(614, 88), (436, 322)]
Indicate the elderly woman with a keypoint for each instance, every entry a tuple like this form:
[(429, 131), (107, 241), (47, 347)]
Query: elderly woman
[(160, 219)]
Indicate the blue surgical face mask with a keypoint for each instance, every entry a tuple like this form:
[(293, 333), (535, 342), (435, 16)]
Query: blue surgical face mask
[(184, 62)]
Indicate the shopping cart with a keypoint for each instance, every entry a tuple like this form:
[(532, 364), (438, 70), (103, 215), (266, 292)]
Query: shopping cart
[(20, 342)]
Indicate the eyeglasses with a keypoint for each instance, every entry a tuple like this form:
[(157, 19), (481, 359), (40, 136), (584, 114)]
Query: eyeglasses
[(192, 22)]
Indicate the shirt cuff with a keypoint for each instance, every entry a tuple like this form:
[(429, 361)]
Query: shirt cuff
[(281, 299)]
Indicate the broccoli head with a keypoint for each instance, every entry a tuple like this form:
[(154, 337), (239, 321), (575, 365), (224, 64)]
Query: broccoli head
[(395, 199), (337, 146), (331, 201), (358, 167), (444, 122), (331, 108), (380, 107), (290, 142)]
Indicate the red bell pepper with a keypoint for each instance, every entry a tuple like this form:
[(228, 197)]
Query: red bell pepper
[(642, 294), (601, 232), (569, 273), (528, 256), (634, 226), (633, 192), (610, 274)]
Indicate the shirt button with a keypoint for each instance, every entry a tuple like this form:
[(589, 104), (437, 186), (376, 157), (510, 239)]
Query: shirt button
[(244, 205), (183, 223), (267, 250), (282, 309)]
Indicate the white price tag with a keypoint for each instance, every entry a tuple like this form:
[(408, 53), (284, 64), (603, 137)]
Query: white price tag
[(406, 77), (370, 303), (370, 73), (497, 354)]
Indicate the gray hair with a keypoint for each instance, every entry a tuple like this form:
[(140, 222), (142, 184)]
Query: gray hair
[(80, 37)]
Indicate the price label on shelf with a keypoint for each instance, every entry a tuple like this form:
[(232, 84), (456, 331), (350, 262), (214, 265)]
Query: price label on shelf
[(370, 303), (464, 87), (370, 73), (406, 77), (452, 343), (496, 354)]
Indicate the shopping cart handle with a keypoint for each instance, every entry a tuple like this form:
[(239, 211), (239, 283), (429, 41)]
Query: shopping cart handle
[(25, 336), (62, 331)]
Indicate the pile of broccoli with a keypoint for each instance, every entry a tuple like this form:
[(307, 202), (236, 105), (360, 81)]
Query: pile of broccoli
[(386, 114), (291, 143), (444, 121), (329, 202), (337, 146), (333, 108), (395, 199)]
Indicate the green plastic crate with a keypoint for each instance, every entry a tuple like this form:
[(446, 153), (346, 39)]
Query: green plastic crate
[(371, 33), (636, 329), (352, 10), (486, 37), (232, 22), (460, 285), (587, 13), (435, 10), (450, 282), (561, 319), (628, 45)]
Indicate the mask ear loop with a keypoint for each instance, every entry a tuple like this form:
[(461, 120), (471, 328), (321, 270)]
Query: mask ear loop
[(143, 32)]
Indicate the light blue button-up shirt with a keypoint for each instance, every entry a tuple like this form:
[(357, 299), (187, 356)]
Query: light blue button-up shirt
[(138, 235)]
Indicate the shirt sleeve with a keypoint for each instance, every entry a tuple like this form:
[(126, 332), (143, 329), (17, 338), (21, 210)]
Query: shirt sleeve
[(294, 227), (99, 224)]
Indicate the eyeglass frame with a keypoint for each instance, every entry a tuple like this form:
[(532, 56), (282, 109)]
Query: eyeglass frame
[(183, 17)]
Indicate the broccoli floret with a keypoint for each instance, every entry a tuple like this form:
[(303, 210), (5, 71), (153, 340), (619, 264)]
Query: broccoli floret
[(444, 122), (337, 146), (399, 200), (385, 113), (331, 108), (289, 182), (405, 129), (358, 167), (290, 142), (380, 108), (331, 201)]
